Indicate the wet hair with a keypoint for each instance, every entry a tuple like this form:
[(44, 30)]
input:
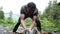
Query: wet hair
[(31, 5), (59, 3)]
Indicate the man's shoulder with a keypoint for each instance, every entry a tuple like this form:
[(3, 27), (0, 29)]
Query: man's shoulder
[(36, 9), (23, 7)]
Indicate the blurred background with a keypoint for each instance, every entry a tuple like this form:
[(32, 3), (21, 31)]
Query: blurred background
[(49, 14)]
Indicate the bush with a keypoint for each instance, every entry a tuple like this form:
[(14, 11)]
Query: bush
[(1, 21), (46, 24), (6, 21), (28, 21)]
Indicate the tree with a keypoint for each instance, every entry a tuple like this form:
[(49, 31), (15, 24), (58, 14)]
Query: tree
[(10, 19), (48, 12), (1, 13), (56, 16), (10, 15), (52, 13)]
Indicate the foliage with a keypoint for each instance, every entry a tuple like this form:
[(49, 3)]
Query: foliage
[(28, 21), (46, 23), (6, 21), (1, 13)]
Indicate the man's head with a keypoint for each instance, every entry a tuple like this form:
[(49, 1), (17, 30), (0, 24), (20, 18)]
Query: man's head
[(58, 4), (31, 6)]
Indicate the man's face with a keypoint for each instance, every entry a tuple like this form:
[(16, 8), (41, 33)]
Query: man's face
[(31, 9)]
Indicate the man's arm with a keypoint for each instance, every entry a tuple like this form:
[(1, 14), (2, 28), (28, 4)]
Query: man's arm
[(33, 22), (22, 21)]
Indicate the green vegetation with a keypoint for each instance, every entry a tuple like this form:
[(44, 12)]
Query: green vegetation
[(1, 13)]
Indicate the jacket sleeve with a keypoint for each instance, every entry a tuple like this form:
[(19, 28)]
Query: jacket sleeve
[(35, 12), (22, 10)]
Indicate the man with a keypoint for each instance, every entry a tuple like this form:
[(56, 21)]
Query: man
[(31, 11)]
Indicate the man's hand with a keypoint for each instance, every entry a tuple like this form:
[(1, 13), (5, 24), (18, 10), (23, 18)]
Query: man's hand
[(29, 29), (22, 21), (33, 23)]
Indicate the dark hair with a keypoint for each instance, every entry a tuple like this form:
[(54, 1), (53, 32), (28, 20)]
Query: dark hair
[(31, 5), (59, 3)]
